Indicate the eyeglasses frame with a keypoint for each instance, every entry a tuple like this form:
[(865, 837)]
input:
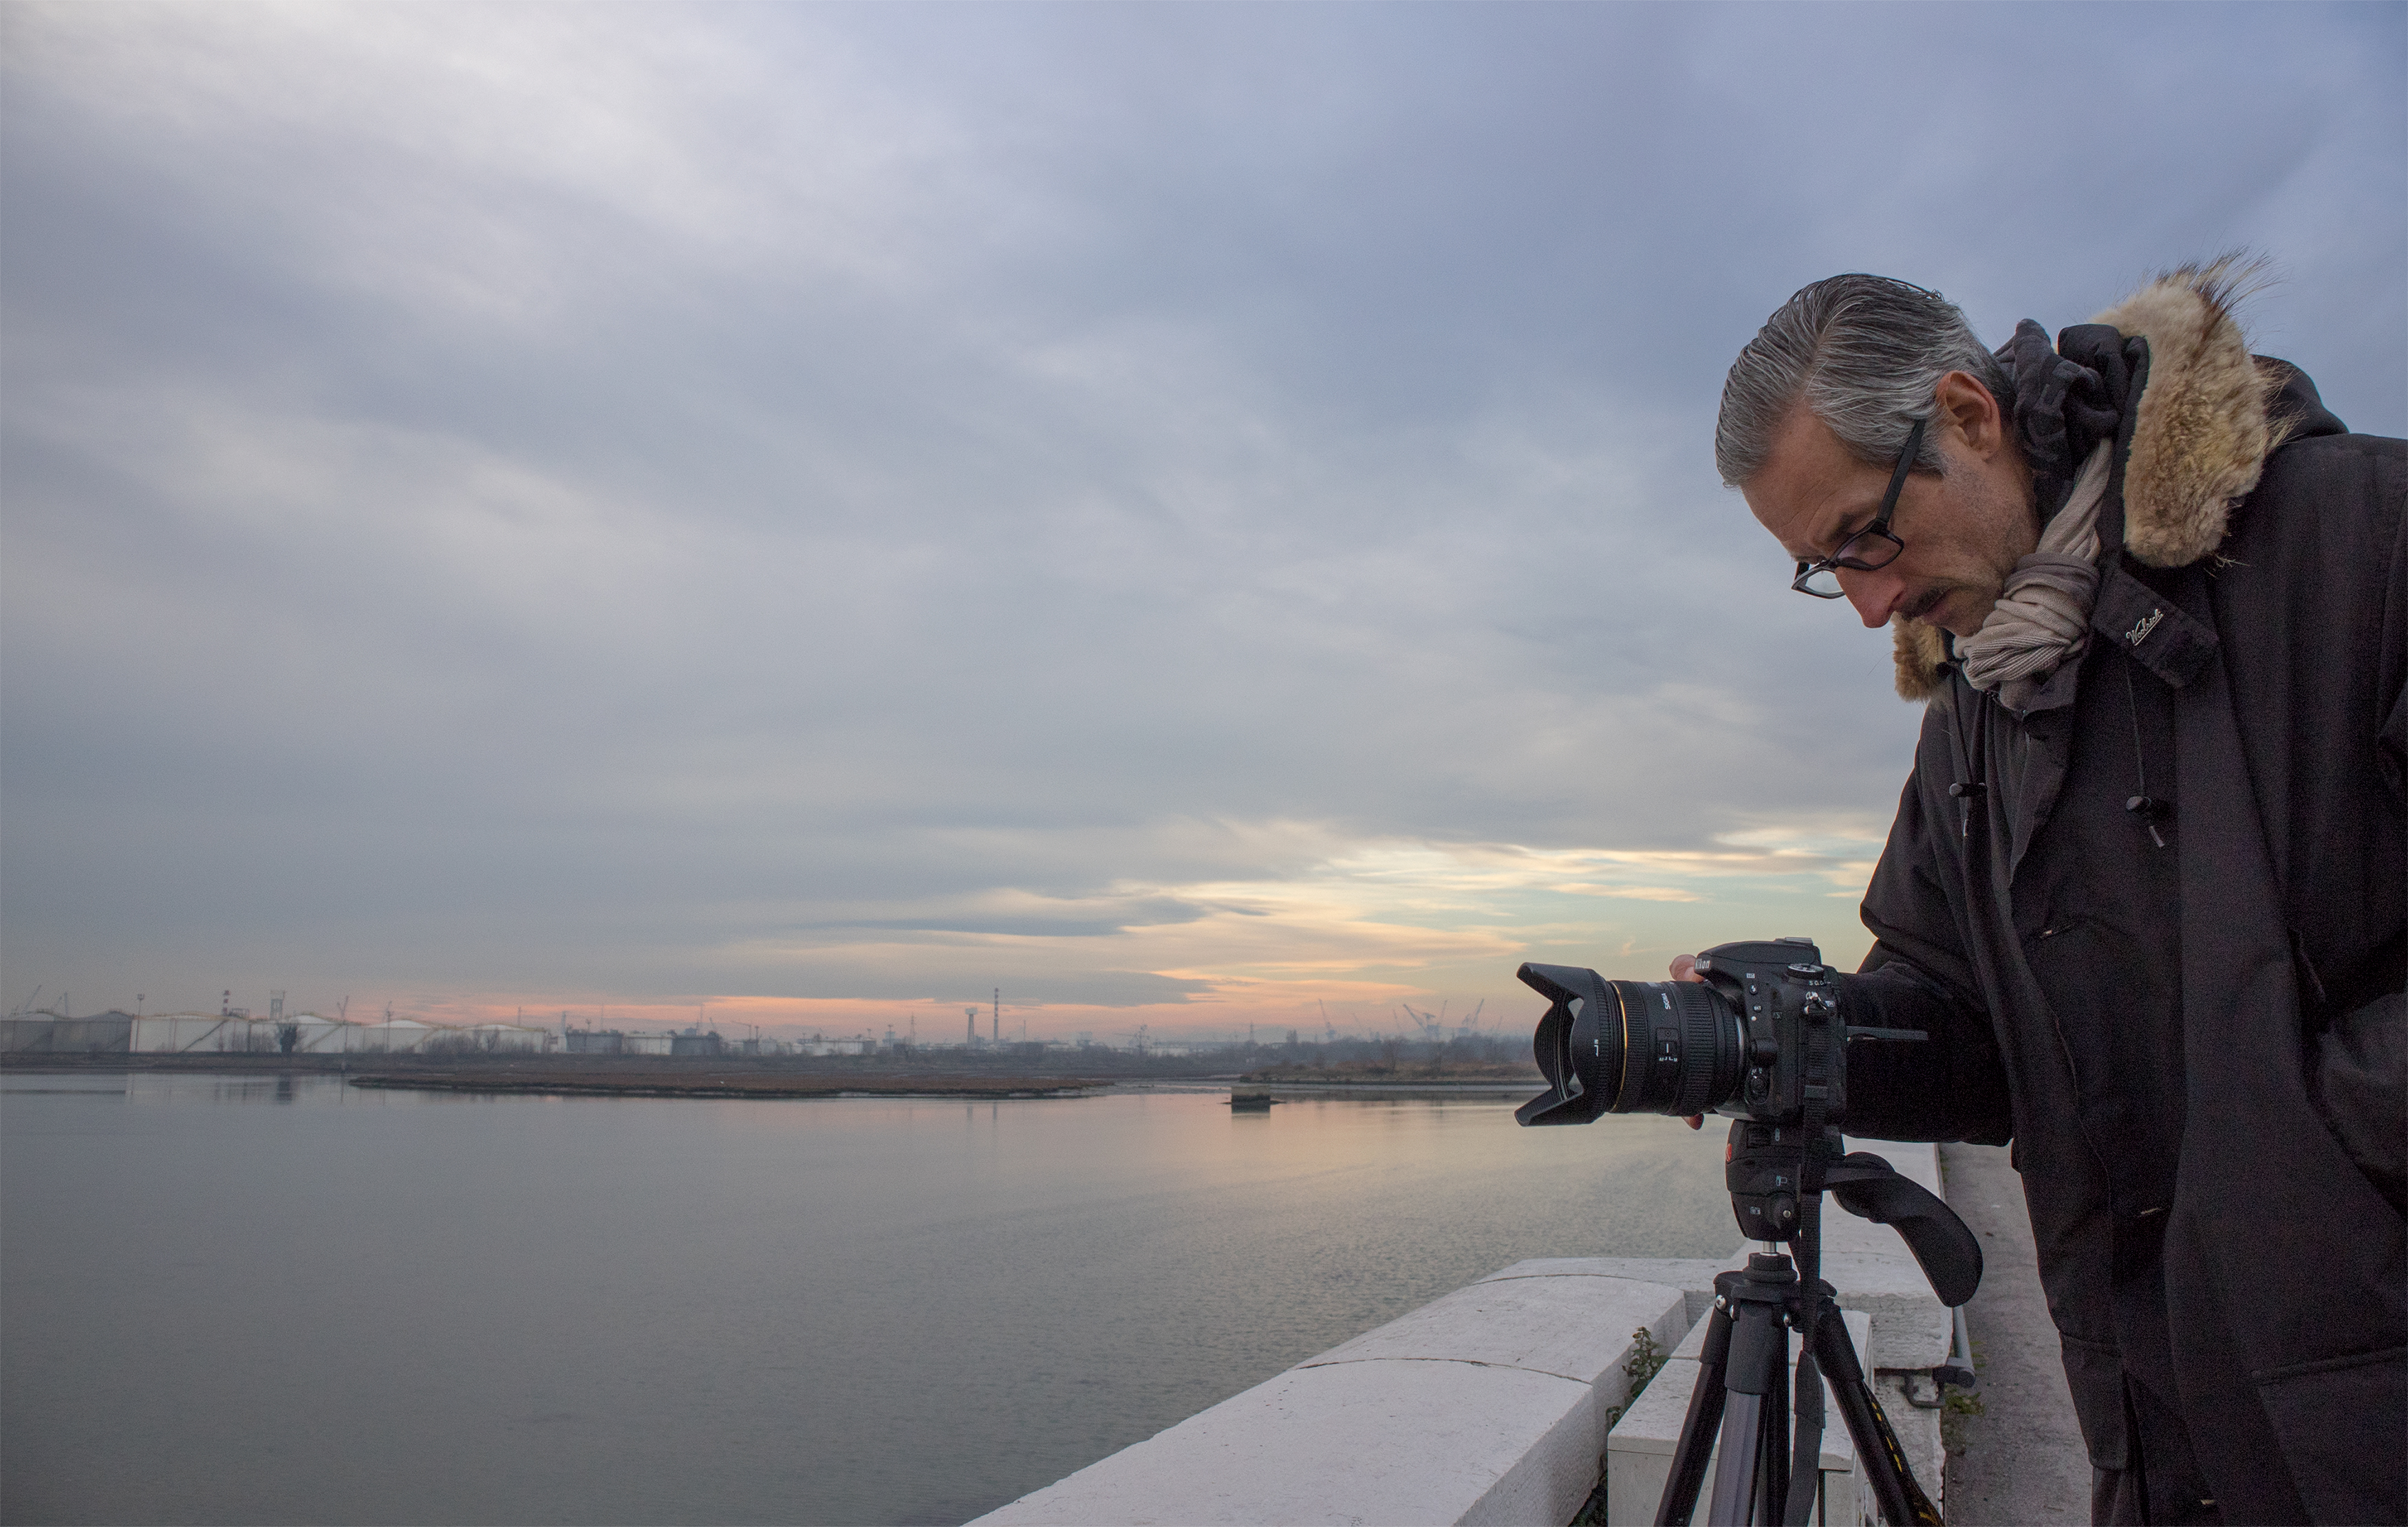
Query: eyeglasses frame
[(1879, 529)]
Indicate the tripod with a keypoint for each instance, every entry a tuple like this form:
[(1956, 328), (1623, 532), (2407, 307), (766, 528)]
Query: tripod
[(1764, 1476)]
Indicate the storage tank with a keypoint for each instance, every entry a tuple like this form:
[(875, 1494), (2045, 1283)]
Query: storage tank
[(104, 1034), (198, 1033), (389, 1036)]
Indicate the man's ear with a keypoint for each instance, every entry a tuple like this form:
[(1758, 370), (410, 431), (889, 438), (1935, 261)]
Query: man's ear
[(1967, 407)]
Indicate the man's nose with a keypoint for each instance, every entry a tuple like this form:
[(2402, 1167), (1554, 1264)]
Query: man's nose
[(1873, 594)]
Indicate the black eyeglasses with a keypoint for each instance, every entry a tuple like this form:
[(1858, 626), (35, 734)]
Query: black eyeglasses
[(1869, 549)]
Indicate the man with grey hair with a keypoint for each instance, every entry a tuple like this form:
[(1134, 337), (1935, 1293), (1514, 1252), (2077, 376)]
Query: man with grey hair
[(2147, 889)]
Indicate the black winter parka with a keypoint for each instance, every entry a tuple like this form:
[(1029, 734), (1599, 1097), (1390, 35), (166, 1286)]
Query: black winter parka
[(2196, 1048)]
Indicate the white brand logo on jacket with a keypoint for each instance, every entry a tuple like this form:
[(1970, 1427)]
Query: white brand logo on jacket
[(2142, 628)]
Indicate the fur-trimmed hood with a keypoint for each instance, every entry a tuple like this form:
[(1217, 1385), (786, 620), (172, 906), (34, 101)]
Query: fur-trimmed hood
[(2205, 426)]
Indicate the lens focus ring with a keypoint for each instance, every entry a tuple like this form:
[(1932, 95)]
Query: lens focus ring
[(1700, 1024), (1679, 1050)]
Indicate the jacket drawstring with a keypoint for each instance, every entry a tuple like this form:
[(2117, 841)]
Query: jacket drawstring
[(2149, 809)]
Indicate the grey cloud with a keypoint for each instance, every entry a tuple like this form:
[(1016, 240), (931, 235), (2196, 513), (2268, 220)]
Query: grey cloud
[(1047, 447), (1149, 911), (1084, 989)]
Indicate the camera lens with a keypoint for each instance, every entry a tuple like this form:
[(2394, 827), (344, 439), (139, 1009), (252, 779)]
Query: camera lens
[(1630, 1047)]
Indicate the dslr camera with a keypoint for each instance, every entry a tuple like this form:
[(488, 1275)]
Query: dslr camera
[(1734, 1043), (1758, 1039)]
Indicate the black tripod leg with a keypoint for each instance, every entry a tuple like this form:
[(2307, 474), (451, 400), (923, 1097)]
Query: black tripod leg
[(1698, 1432), (1806, 1456), (1755, 1455), (1772, 1441), (1738, 1466), (1902, 1501)]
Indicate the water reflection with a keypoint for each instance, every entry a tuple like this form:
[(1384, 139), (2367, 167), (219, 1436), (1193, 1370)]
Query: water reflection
[(36, 1082), (832, 1310), (165, 1088)]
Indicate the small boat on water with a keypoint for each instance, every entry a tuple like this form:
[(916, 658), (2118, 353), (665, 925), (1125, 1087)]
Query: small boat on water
[(1245, 1101)]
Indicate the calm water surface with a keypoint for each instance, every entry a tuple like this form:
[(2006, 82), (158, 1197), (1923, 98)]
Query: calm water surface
[(285, 1300)]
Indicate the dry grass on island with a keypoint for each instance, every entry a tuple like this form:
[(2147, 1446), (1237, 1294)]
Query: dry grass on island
[(1399, 1071), (687, 1081)]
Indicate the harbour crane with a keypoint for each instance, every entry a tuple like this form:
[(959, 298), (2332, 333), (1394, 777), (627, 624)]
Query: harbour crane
[(1432, 1025)]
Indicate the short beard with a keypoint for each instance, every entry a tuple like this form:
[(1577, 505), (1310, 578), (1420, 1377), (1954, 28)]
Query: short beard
[(1924, 606), (1985, 599), (2016, 535)]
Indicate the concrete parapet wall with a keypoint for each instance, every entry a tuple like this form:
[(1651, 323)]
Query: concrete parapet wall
[(1492, 1404), (1487, 1406)]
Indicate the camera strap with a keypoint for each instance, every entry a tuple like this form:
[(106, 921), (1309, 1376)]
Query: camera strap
[(1818, 1016)]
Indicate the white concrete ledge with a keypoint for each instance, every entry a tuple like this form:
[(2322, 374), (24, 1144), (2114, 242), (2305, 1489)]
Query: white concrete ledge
[(1693, 1276), (1487, 1406)]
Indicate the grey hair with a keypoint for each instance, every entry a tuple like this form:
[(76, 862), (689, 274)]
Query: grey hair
[(1865, 353)]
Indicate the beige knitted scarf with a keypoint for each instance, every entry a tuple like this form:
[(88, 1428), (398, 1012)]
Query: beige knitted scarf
[(2042, 620)]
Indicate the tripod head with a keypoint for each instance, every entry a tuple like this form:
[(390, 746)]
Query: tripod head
[(1763, 1171)]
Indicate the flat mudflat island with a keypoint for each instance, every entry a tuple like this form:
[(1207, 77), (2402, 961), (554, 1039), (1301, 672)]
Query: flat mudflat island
[(686, 1081)]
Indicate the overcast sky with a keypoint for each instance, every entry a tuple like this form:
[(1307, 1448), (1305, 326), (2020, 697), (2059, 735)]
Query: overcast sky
[(1193, 515)]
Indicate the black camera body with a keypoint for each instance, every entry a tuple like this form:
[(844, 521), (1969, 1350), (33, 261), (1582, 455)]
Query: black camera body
[(1758, 1039)]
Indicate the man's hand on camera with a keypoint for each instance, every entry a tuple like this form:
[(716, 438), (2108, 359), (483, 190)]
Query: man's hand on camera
[(1684, 968)]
